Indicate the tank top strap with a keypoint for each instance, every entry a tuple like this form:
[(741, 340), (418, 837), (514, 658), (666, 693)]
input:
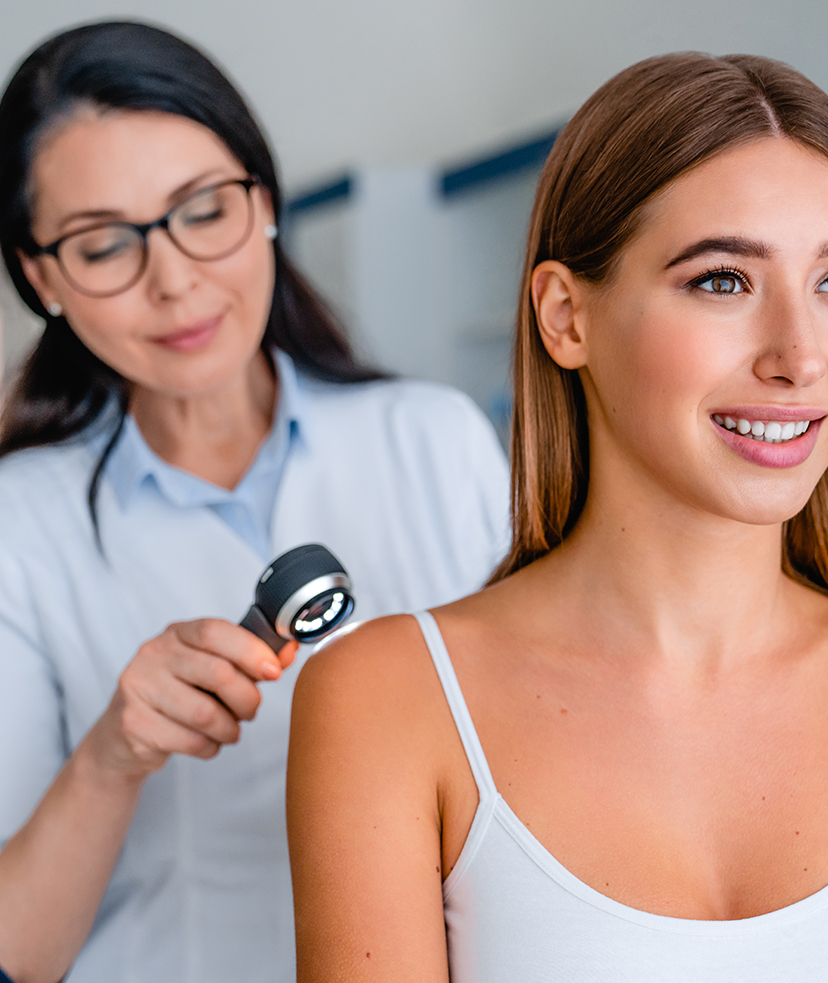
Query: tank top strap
[(457, 704)]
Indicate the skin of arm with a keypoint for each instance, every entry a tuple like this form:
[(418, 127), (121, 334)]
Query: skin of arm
[(368, 770), (54, 871)]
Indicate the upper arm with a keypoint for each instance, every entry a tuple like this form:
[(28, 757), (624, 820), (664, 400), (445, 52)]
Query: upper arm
[(363, 815)]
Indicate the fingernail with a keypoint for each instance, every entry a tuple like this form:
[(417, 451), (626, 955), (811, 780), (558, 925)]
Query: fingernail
[(270, 671)]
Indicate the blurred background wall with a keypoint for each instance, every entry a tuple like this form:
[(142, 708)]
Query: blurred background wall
[(410, 136)]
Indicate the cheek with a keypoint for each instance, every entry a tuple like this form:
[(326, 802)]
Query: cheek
[(656, 376), (107, 327), (664, 362), (249, 278)]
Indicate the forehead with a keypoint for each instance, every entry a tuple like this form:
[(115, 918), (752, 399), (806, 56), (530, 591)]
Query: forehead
[(120, 160), (772, 190)]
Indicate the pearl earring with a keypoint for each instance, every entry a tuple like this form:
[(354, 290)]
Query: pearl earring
[(270, 231), (54, 309)]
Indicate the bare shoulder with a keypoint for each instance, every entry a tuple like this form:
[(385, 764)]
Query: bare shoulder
[(372, 695), (378, 661)]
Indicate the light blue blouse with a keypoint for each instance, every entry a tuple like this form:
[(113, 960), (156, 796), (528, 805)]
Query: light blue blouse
[(403, 480)]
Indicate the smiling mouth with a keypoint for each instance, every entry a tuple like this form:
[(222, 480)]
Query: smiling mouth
[(769, 432)]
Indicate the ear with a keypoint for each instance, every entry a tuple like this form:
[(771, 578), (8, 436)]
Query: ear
[(32, 267), (558, 298)]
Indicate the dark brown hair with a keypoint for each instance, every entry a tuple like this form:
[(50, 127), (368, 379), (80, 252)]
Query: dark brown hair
[(639, 131)]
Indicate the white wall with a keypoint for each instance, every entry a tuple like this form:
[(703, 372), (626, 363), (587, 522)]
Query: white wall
[(342, 82), (427, 284)]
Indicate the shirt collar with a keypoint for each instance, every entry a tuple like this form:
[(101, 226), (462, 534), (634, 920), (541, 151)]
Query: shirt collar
[(133, 462)]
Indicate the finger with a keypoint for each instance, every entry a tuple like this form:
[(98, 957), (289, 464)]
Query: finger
[(287, 654), (153, 736), (239, 646), (213, 674), (196, 710)]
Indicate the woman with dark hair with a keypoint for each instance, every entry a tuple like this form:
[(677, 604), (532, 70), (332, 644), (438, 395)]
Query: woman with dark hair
[(611, 763), (189, 412)]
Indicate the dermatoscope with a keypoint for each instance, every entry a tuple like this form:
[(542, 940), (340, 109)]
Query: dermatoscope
[(303, 595)]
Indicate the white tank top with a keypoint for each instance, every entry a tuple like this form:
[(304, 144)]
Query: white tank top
[(513, 913)]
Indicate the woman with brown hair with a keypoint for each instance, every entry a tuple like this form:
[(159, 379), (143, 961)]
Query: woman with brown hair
[(611, 763)]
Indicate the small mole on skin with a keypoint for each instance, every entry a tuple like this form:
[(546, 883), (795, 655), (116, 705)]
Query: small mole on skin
[(538, 696), (437, 869), (797, 832), (564, 710), (763, 798), (367, 955)]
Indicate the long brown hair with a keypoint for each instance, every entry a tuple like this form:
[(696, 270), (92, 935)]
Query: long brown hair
[(639, 131)]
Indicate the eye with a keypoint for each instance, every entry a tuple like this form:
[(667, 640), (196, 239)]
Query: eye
[(721, 282), (822, 288), (202, 215)]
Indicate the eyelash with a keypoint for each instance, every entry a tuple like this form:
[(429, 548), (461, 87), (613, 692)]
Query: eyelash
[(722, 272)]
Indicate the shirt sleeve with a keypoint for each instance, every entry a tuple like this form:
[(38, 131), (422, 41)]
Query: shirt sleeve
[(32, 742)]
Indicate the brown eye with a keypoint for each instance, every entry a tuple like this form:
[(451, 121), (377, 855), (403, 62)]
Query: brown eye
[(721, 283)]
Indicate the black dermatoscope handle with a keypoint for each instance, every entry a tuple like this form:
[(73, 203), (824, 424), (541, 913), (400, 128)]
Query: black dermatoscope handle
[(303, 594)]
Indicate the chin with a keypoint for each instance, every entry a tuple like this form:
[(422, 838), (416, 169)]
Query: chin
[(762, 509), (198, 374)]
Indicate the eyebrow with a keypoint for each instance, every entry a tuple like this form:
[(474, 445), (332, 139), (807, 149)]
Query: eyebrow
[(736, 246), (108, 214)]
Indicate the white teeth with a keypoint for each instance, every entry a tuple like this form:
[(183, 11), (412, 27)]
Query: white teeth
[(772, 432)]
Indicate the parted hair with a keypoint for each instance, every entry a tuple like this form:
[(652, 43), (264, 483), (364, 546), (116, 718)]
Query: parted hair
[(637, 133)]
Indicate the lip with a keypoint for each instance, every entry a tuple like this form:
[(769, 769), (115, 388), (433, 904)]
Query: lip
[(787, 455), (192, 336)]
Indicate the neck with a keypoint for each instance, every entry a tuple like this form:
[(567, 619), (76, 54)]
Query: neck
[(663, 577), (215, 435)]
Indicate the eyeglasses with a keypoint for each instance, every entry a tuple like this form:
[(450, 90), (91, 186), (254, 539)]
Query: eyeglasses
[(107, 259)]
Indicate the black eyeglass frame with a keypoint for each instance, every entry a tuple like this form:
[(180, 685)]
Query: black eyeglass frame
[(53, 248)]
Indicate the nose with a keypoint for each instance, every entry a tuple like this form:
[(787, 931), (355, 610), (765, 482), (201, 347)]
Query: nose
[(169, 273), (794, 353)]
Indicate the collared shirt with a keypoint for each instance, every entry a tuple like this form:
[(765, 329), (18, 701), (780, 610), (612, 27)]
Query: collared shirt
[(404, 481)]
